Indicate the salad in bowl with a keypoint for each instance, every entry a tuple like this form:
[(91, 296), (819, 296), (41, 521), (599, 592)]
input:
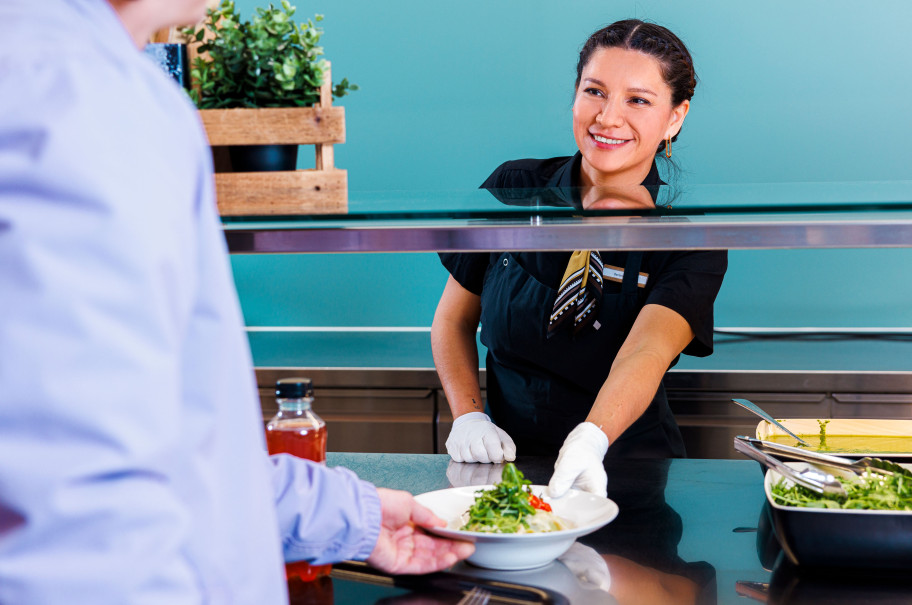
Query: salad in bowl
[(513, 524), (510, 507)]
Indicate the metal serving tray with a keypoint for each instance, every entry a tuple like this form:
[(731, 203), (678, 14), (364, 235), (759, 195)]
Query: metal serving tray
[(855, 539), (809, 429)]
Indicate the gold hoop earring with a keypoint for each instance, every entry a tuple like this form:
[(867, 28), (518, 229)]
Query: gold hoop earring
[(668, 147)]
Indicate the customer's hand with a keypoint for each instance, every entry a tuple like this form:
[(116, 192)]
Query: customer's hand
[(474, 438), (580, 462), (402, 547)]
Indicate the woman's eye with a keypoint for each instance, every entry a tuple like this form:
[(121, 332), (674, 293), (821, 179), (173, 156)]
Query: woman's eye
[(639, 101), (593, 91)]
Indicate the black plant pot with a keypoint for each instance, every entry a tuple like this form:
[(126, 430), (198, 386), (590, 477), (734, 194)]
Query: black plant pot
[(263, 158), (172, 58)]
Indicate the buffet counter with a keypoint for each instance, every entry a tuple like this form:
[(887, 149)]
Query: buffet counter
[(688, 532)]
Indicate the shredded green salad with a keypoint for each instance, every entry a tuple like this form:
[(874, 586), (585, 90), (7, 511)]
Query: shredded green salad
[(507, 507), (870, 491)]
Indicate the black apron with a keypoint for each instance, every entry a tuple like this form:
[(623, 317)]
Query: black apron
[(539, 389)]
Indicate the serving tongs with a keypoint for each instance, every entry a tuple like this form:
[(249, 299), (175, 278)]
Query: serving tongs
[(813, 478), (867, 464), (755, 409)]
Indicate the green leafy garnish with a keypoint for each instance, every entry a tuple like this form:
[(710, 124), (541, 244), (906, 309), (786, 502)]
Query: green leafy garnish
[(822, 424), (870, 491), (504, 508)]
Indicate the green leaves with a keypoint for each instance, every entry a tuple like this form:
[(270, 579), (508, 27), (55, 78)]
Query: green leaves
[(871, 491), (504, 508), (342, 88), (269, 61)]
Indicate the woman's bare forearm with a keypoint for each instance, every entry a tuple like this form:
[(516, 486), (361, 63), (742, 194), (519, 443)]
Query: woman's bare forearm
[(456, 360), (628, 391), (658, 336), (455, 349)]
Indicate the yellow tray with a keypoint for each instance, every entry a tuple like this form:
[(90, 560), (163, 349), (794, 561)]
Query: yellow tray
[(887, 438)]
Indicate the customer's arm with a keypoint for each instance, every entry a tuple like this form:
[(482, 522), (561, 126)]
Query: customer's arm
[(327, 515)]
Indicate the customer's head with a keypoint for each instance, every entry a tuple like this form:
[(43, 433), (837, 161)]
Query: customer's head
[(143, 17)]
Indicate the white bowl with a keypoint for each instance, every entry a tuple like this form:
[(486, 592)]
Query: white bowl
[(586, 511)]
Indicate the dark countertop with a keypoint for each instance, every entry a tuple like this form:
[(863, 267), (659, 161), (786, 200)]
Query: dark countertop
[(686, 534)]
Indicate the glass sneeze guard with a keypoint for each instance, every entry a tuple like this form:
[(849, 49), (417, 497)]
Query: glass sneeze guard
[(715, 216)]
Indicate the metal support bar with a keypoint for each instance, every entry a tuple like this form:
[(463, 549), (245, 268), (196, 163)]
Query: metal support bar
[(646, 233)]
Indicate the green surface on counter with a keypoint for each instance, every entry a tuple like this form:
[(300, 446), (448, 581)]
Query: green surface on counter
[(682, 516), (699, 525)]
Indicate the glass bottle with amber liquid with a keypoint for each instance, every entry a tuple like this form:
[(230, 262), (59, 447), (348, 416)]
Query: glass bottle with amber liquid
[(297, 430)]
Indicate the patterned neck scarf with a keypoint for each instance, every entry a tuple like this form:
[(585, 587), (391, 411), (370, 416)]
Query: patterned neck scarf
[(579, 293)]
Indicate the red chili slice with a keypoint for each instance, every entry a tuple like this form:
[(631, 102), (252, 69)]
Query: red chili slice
[(538, 503)]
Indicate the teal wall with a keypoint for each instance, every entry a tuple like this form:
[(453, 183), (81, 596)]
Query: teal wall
[(789, 91)]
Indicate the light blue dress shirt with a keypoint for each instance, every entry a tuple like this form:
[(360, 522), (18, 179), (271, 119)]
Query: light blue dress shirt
[(132, 455)]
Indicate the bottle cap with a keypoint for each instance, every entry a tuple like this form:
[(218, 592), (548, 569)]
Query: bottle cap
[(294, 388)]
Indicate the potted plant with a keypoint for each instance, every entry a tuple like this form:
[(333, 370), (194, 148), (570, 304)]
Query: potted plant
[(263, 88)]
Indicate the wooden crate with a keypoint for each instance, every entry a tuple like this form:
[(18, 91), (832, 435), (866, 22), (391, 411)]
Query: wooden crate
[(322, 190)]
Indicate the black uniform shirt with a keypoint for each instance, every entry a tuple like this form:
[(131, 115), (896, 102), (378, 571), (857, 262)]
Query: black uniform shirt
[(685, 282)]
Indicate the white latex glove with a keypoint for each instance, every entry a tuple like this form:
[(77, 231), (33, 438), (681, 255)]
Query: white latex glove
[(474, 438), (461, 474), (588, 566), (580, 462)]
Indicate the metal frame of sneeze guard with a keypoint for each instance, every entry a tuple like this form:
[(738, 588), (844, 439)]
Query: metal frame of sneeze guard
[(640, 233), (772, 216)]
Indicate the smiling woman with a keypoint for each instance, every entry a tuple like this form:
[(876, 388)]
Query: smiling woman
[(578, 343)]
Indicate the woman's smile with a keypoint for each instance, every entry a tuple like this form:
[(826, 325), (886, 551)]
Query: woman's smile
[(606, 142)]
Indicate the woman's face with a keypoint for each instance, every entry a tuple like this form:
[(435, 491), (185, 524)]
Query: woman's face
[(621, 114)]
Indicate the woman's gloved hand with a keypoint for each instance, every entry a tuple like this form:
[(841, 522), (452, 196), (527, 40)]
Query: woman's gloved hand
[(580, 462), (474, 438)]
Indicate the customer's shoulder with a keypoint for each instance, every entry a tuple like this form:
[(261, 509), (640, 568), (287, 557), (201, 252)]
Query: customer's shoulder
[(528, 172)]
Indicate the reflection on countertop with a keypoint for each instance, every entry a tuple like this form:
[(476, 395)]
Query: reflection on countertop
[(690, 532), (673, 542), (793, 585)]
